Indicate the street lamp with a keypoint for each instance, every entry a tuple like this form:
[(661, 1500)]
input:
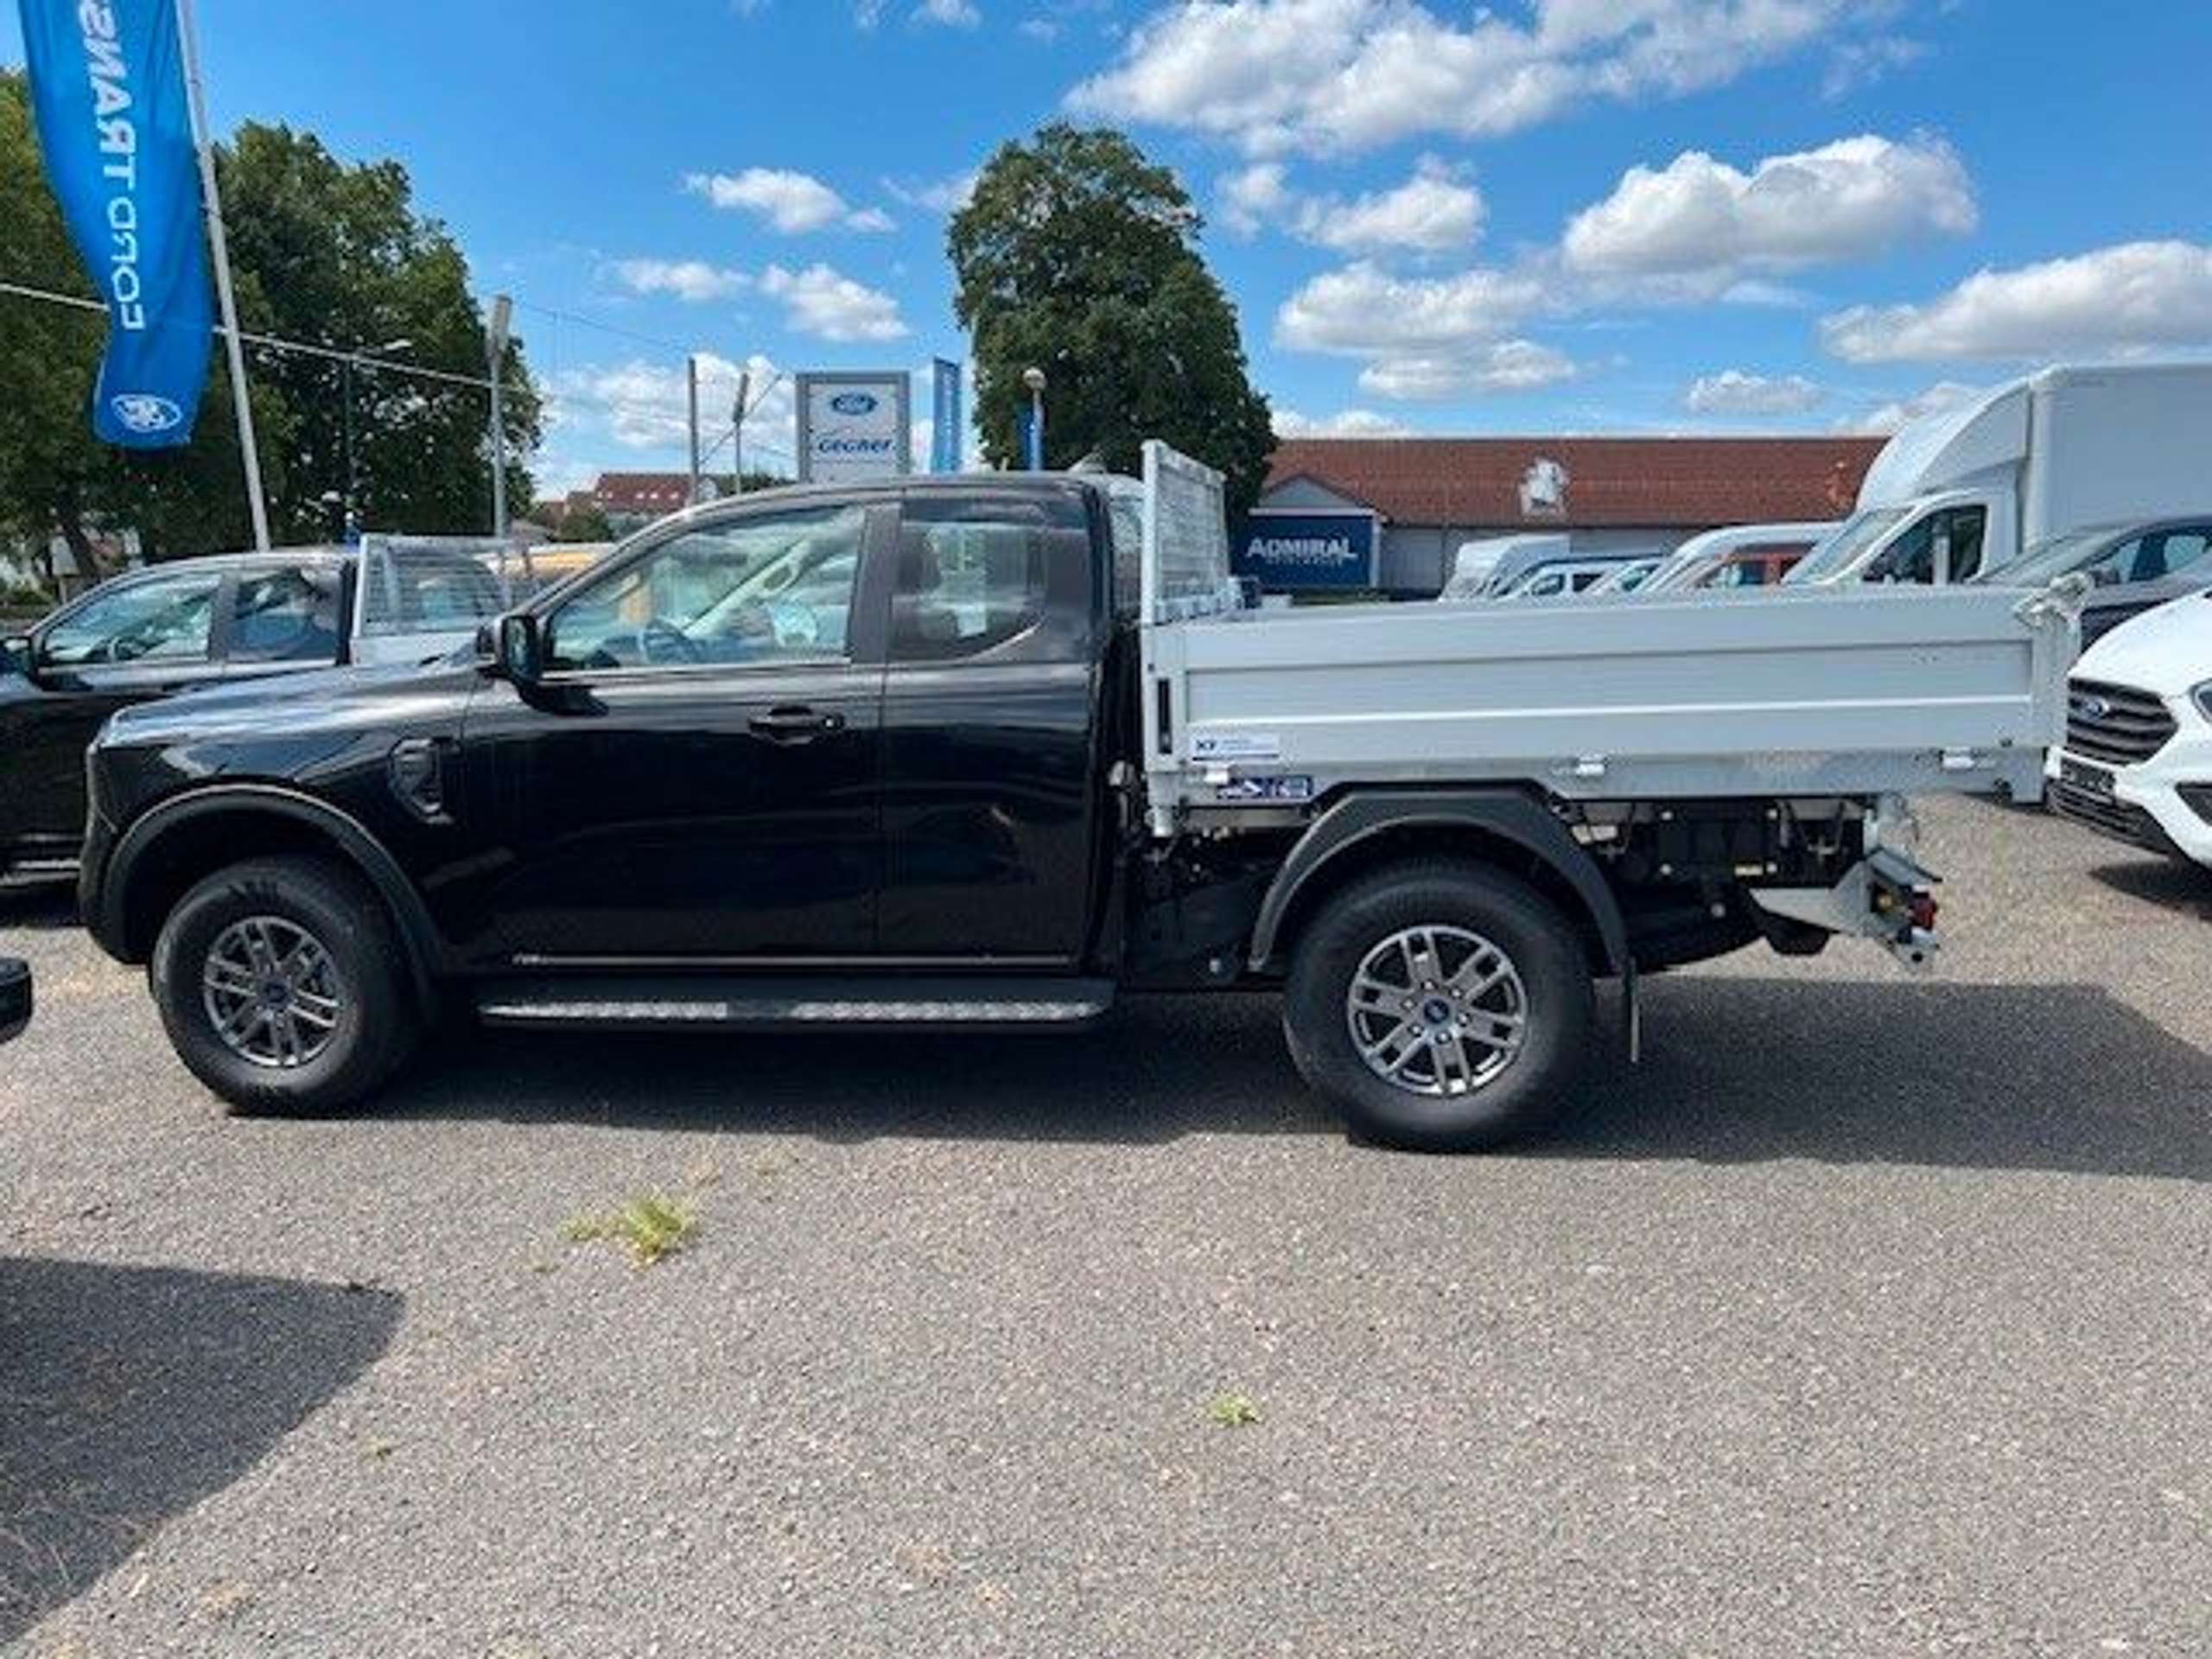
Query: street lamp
[(1033, 377), (495, 348), (352, 525)]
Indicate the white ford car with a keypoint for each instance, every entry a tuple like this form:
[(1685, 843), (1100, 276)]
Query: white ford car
[(2136, 762)]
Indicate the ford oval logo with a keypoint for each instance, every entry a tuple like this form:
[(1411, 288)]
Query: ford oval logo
[(2089, 708), (141, 411), (854, 403)]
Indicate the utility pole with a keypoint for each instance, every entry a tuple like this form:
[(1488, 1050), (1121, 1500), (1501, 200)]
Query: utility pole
[(692, 386), (737, 433), (503, 312), (211, 202)]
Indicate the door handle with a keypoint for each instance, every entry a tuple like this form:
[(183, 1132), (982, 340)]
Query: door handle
[(795, 725)]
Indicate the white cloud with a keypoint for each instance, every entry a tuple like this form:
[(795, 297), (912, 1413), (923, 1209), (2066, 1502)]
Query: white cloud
[(1364, 311), (1346, 423), (792, 202), (952, 14), (1433, 211), (1703, 220), (1856, 64), (641, 410), (1255, 196), (1427, 336), (1340, 75), (822, 302), (1500, 366), (2136, 296), (1732, 392), (945, 195), (1887, 419), (1039, 29), (692, 280)]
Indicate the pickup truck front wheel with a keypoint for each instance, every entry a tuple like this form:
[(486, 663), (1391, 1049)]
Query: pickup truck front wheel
[(283, 987), (1442, 1007)]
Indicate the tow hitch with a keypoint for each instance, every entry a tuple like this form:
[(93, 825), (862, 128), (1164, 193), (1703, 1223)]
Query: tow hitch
[(1885, 897)]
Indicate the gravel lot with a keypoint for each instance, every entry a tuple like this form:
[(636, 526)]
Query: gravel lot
[(1870, 1317)]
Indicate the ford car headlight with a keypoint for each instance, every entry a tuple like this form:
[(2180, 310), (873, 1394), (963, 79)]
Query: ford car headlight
[(2201, 696)]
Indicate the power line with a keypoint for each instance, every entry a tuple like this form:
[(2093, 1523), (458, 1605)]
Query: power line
[(582, 322), (546, 397)]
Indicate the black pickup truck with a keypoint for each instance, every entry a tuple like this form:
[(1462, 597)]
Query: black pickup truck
[(873, 756)]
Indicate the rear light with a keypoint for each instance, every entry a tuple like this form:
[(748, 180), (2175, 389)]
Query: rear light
[(1922, 910)]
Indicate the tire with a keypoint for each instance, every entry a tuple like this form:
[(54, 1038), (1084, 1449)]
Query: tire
[(352, 1021), (1463, 1081)]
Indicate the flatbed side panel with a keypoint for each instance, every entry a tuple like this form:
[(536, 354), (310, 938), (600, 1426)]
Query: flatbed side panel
[(1737, 694)]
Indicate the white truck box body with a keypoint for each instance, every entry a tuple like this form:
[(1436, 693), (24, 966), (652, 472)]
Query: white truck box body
[(2065, 449)]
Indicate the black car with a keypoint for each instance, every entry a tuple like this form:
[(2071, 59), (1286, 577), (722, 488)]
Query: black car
[(15, 997), (150, 633)]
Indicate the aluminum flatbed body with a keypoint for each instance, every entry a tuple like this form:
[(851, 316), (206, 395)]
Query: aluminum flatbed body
[(1866, 693)]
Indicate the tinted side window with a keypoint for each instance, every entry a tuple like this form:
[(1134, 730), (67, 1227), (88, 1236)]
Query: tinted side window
[(285, 616), (973, 574), (160, 620), (1911, 557), (768, 589), (2150, 558)]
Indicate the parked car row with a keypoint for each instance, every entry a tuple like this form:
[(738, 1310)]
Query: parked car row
[(196, 623)]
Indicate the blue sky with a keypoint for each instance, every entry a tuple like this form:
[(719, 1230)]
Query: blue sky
[(1541, 216)]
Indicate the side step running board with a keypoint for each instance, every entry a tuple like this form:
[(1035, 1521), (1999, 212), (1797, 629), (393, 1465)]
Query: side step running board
[(38, 873), (674, 1000)]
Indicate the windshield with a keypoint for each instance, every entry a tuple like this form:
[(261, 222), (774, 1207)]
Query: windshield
[(1835, 555), (421, 587), (2054, 559)]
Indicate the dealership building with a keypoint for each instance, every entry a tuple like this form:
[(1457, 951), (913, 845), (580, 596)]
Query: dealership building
[(1389, 514)]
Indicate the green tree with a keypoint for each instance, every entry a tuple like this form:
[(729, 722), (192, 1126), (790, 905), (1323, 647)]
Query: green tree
[(587, 522), (322, 252), (1076, 255)]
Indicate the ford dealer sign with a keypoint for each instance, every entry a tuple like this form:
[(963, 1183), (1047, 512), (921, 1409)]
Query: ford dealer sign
[(854, 427)]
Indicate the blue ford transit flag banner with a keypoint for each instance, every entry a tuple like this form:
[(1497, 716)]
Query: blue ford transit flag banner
[(946, 431), (107, 86)]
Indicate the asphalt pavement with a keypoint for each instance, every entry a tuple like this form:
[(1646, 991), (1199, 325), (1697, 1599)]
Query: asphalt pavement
[(1870, 1316)]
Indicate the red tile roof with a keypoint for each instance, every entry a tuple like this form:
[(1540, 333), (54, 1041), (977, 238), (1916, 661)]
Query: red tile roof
[(1686, 483), (653, 493)]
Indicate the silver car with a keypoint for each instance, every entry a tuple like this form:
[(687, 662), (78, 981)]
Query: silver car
[(2135, 568)]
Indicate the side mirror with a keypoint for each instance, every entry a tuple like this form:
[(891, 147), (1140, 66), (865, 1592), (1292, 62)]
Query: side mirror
[(519, 647), (15, 654)]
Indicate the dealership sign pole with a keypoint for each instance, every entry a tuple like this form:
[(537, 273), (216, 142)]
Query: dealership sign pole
[(115, 85)]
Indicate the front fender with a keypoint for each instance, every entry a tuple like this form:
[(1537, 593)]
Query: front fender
[(105, 892)]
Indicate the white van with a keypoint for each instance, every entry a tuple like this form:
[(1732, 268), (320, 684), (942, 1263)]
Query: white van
[(1970, 490)]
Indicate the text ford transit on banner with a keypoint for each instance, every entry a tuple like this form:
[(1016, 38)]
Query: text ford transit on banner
[(853, 427), (108, 87)]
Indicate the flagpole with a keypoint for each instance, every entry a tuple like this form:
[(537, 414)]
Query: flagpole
[(233, 346)]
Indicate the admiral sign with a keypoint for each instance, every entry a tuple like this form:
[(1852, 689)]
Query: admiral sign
[(1307, 552), (853, 427)]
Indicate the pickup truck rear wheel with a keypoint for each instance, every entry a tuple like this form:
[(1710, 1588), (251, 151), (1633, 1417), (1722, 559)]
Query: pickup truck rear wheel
[(1442, 1006), (283, 986)]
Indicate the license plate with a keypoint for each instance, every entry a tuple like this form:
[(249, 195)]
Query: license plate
[(2093, 780)]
